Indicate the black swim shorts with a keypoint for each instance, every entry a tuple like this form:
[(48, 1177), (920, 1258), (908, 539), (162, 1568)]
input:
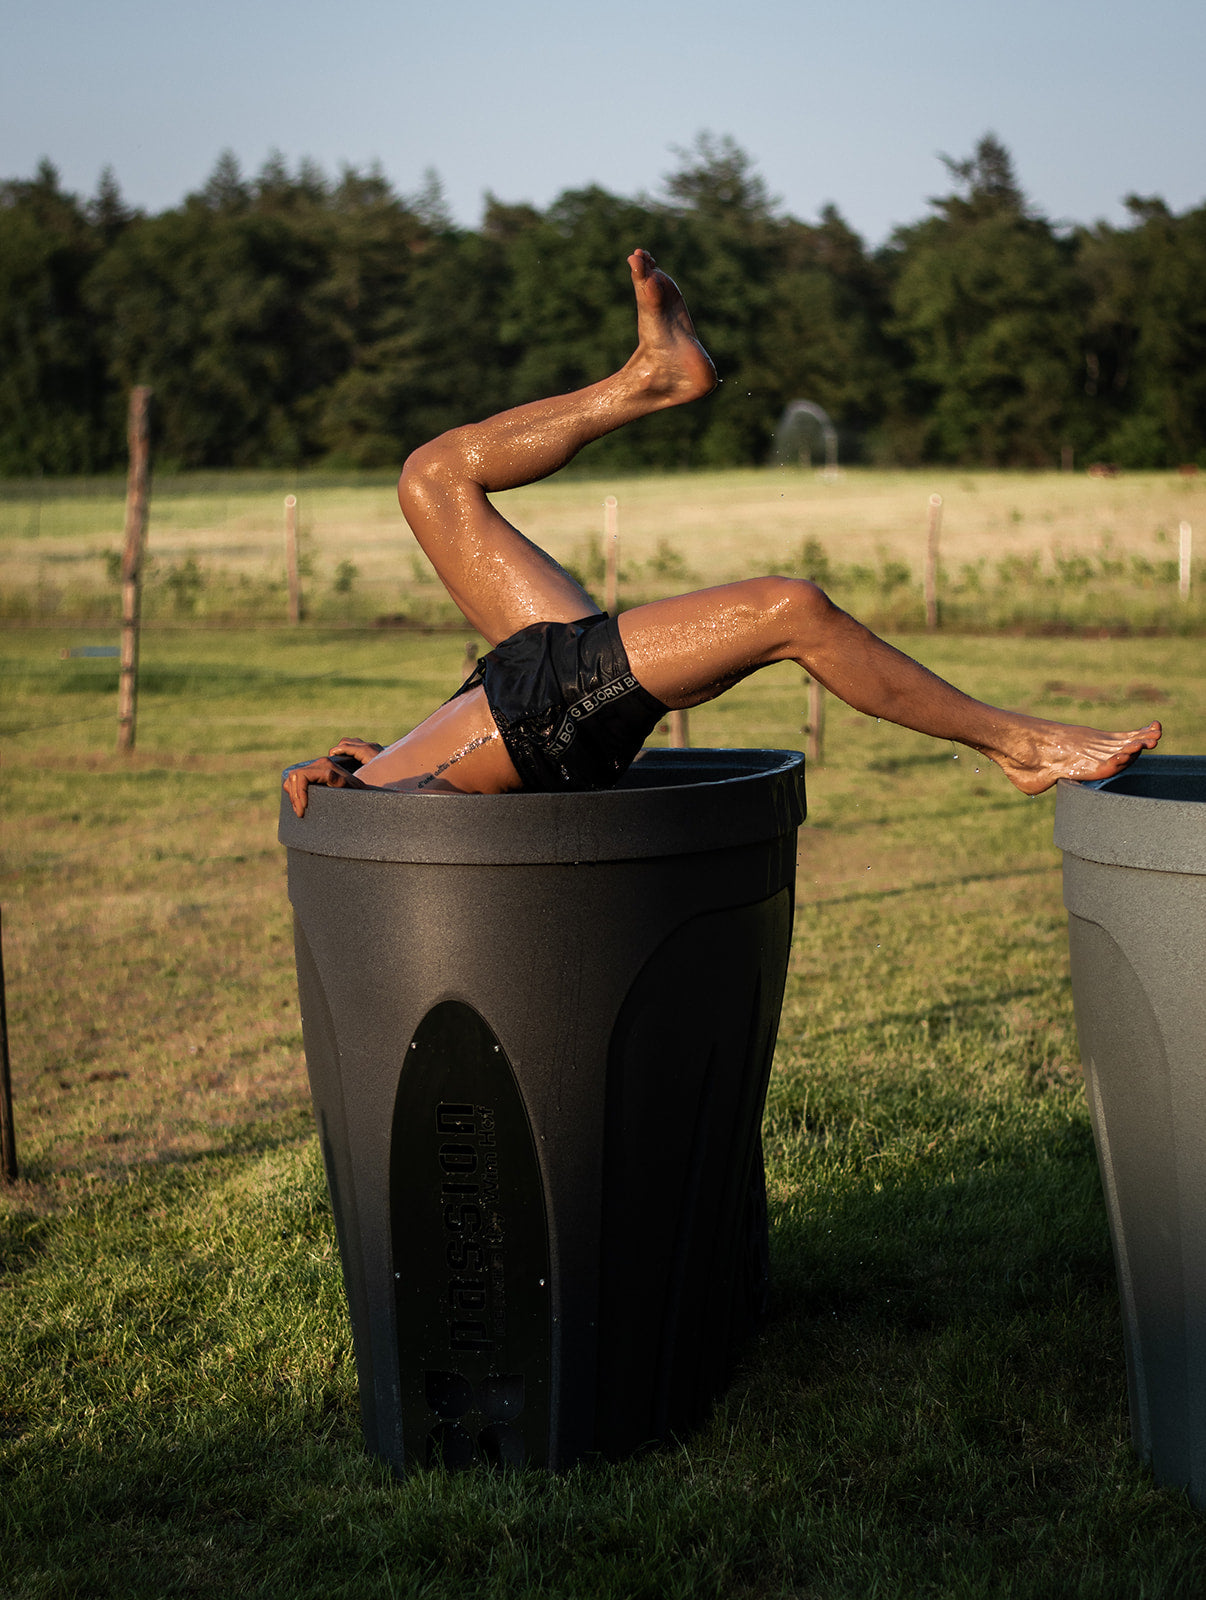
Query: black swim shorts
[(570, 712)]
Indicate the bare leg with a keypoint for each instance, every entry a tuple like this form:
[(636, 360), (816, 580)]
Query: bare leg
[(690, 649), (684, 651), (457, 750), (499, 579)]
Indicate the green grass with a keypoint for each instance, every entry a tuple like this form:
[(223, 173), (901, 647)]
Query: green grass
[(937, 1404)]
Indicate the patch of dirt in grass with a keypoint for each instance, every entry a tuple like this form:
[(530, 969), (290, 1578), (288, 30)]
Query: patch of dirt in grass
[(1096, 694)]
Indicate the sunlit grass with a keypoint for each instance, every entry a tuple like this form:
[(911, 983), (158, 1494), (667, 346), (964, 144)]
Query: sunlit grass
[(937, 1404)]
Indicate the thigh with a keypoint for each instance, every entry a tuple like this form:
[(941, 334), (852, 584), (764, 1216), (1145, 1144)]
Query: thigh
[(691, 648), (458, 747), (500, 580)]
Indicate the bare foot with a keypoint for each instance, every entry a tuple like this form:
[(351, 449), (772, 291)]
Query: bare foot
[(1041, 752), (669, 359)]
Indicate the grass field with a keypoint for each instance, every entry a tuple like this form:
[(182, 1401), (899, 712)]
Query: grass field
[(1016, 549), (937, 1404)]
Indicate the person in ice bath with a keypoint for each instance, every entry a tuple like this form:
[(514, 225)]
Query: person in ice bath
[(566, 696)]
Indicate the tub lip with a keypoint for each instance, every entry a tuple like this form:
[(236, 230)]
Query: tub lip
[(763, 798), (1095, 823)]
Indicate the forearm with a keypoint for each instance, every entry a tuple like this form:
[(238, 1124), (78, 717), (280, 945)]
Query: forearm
[(325, 772)]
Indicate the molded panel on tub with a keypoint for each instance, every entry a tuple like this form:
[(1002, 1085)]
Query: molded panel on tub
[(470, 1251), (684, 1261), (1127, 1078)]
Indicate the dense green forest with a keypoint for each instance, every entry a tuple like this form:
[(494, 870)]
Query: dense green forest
[(292, 318)]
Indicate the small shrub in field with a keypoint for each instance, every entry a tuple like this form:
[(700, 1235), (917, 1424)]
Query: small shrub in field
[(894, 575), (1017, 569), (590, 566), (1146, 573), (669, 563), (1074, 569), (185, 581), (814, 562)]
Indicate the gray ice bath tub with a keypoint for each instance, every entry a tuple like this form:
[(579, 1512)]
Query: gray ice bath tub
[(538, 1031), (1135, 889)]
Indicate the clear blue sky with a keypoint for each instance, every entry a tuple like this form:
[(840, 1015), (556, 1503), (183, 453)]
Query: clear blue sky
[(850, 102)]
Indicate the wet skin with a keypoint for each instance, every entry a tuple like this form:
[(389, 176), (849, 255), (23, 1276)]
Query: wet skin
[(685, 650)]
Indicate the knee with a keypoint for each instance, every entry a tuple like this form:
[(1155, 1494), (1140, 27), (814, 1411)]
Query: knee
[(420, 475), (798, 603)]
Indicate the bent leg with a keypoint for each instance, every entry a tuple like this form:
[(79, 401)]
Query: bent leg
[(690, 649), (498, 578)]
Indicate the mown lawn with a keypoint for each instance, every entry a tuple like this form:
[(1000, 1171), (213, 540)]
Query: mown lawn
[(936, 1406)]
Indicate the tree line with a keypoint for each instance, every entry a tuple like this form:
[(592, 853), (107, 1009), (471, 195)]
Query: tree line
[(291, 319)]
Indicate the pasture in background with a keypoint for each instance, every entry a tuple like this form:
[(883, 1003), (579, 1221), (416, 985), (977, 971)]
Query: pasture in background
[(1044, 551)]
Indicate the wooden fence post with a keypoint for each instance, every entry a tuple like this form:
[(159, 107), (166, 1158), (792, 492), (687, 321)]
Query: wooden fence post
[(611, 554), (931, 562), (137, 485), (680, 735), (816, 722), (1186, 575), (8, 1142), (291, 572)]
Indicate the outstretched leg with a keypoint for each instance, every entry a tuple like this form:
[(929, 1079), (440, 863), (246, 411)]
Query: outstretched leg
[(690, 649), (684, 651), (498, 578)]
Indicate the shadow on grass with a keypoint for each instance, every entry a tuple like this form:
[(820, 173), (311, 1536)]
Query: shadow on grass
[(209, 678), (966, 1010), (58, 1184), (935, 1408), (925, 758), (960, 881), (945, 1351), (931, 815)]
